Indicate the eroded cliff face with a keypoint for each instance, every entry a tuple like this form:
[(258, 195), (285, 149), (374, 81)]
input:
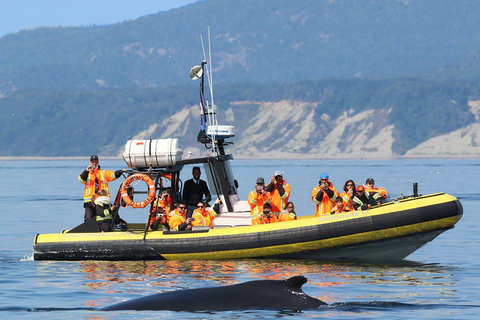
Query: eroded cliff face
[(291, 129)]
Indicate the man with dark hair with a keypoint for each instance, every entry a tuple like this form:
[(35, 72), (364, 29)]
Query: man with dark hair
[(194, 190), (266, 217), (178, 221)]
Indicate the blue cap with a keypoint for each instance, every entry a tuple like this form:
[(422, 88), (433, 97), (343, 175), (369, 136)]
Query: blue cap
[(324, 176)]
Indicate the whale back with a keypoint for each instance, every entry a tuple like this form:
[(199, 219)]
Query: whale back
[(260, 294)]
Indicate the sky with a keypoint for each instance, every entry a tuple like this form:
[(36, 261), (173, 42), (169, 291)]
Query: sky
[(24, 14)]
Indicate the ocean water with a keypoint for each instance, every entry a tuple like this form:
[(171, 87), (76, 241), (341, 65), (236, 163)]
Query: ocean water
[(440, 280)]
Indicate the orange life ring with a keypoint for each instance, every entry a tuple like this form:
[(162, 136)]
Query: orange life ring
[(126, 184)]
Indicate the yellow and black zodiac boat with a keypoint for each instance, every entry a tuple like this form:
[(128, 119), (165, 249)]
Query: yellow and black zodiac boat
[(389, 232)]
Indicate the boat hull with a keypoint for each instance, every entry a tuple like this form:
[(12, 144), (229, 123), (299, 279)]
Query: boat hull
[(390, 232)]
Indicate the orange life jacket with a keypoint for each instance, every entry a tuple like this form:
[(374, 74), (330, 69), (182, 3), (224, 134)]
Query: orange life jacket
[(279, 202), (381, 191), (102, 176), (176, 220), (286, 216), (264, 220), (256, 202), (163, 204), (346, 198), (203, 219), (326, 205)]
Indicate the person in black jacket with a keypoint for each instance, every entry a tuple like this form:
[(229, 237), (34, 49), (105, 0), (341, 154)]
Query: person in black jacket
[(362, 200), (194, 190)]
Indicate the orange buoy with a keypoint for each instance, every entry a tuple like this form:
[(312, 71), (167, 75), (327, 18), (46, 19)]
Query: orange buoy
[(126, 184)]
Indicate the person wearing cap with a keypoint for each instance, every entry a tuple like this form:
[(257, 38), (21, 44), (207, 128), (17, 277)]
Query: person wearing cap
[(94, 180), (370, 187), (279, 190), (363, 200), (257, 198), (323, 195)]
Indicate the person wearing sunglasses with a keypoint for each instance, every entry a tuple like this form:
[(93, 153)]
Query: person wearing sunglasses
[(324, 195), (203, 217), (178, 220), (348, 194), (370, 187)]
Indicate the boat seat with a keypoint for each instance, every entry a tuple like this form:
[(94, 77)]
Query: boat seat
[(222, 226), (197, 228)]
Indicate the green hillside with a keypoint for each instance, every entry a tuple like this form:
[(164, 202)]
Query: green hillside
[(263, 41), (55, 123)]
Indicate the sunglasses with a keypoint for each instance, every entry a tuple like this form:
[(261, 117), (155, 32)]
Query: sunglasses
[(200, 206), (182, 208), (350, 185)]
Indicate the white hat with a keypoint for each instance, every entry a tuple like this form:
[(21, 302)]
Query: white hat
[(278, 173)]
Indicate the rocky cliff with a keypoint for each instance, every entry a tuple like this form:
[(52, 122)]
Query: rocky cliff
[(293, 129)]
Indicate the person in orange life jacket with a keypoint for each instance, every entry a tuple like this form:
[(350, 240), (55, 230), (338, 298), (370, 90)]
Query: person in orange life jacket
[(203, 217), (340, 206), (159, 219), (370, 186), (266, 217), (348, 193), (362, 200), (94, 180), (279, 190), (324, 194), (194, 190), (162, 202), (289, 213), (103, 209), (257, 198), (178, 221)]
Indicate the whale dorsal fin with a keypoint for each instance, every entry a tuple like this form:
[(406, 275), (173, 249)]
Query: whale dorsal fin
[(296, 283)]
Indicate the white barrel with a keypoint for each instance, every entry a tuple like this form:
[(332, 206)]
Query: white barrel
[(158, 153)]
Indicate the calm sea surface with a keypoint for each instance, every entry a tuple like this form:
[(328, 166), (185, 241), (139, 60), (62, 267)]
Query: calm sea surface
[(441, 280)]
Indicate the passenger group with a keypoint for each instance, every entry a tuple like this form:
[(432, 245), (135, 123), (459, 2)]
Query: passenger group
[(268, 204)]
